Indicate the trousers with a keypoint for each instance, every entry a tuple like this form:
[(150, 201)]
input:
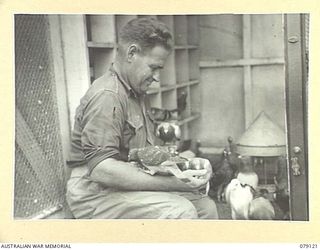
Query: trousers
[(90, 200)]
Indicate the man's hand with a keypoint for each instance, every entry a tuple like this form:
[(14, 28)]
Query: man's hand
[(199, 173), (194, 178), (201, 163)]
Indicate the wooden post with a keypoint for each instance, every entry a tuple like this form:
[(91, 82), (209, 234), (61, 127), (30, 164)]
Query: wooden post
[(296, 112), (76, 60), (248, 105), (60, 83)]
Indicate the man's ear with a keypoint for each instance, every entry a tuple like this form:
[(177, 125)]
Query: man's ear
[(132, 52)]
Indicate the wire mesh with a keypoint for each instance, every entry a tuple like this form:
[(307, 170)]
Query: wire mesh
[(36, 102)]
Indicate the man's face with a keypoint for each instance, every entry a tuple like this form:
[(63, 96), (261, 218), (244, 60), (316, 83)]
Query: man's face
[(145, 68)]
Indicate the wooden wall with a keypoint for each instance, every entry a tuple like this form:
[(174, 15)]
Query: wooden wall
[(242, 73)]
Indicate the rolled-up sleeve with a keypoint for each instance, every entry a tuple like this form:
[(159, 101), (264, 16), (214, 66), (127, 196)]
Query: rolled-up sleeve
[(102, 124)]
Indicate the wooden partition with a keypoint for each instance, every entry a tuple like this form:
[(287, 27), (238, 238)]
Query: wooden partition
[(242, 74)]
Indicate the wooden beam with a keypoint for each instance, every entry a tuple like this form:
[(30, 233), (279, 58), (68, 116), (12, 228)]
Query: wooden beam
[(60, 85), (185, 84), (165, 88), (189, 119), (49, 212), (247, 82), (241, 62), (248, 98), (186, 47), (33, 152), (76, 59), (296, 114), (102, 45)]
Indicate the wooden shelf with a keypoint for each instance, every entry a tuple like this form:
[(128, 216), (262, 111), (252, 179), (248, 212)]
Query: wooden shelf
[(193, 47), (165, 88), (189, 119), (186, 120), (161, 89), (186, 47), (189, 83), (101, 45), (241, 62)]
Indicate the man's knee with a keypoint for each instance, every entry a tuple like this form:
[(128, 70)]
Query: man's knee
[(210, 212), (181, 208), (207, 209)]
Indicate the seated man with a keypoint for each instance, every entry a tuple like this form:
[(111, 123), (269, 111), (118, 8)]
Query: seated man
[(113, 118)]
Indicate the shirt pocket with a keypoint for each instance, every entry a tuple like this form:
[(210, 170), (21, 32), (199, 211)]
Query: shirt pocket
[(133, 132)]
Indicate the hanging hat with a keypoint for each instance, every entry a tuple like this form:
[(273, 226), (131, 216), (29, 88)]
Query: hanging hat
[(262, 138)]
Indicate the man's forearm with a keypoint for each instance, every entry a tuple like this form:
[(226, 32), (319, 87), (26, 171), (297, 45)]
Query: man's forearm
[(124, 175)]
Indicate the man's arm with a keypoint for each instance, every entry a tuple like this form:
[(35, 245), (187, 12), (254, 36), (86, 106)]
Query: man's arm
[(124, 175), (102, 123)]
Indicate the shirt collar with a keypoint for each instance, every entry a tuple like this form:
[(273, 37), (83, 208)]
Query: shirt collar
[(122, 81)]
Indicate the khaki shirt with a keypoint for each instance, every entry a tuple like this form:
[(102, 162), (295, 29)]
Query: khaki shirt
[(109, 121)]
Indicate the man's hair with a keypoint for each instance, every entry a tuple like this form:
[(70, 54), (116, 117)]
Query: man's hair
[(147, 33)]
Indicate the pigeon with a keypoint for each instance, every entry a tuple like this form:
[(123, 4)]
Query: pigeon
[(261, 208), (161, 114), (222, 175), (168, 132), (239, 197), (181, 102), (246, 173), (151, 155), (281, 194), (225, 170)]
